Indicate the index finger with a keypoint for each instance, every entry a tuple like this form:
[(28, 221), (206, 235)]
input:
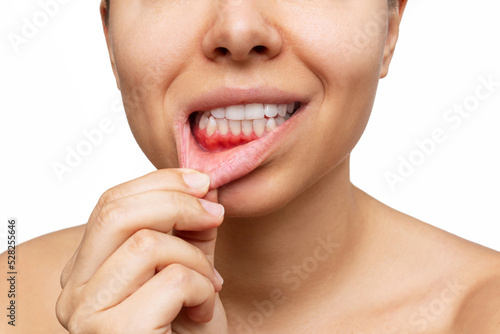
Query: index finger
[(162, 179)]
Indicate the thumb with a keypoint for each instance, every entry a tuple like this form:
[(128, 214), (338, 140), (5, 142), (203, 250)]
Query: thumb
[(204, 240), (212, 195)]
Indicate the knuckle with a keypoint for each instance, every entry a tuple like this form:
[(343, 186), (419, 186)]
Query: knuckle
[(109, 325), (75, 324), (178, 275), (110, 214), (62, 311), (202, 257), (108, 196), (181, 204), (142, 241), (176, 199), (64, 306), (83, 320)]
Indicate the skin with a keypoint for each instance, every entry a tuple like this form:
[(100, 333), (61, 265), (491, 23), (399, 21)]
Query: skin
[(306, 241)]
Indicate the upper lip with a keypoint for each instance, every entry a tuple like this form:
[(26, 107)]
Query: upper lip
[(229, 96)]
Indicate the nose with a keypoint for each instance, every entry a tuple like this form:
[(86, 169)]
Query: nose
[(241, 32)]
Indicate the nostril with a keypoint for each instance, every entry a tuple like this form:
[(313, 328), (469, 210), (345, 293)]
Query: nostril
[(221, 51), (260, 48)]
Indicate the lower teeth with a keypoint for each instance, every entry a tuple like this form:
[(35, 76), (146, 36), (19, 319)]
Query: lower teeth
[(236, 127)]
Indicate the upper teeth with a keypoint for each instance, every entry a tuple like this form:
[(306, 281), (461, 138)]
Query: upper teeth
[(246, 118), (253, 111)]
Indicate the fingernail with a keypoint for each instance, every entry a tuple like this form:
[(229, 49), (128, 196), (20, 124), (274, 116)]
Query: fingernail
[(212, 208), (219, 277), (196, 180)]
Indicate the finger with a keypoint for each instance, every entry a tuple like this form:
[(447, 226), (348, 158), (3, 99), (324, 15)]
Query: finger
[(155, 210), (162, 298), (204, 240), (137, 260), (163, 179), (68, 268), (212, 195)]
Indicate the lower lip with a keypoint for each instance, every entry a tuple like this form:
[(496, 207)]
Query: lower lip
[(229, 165)]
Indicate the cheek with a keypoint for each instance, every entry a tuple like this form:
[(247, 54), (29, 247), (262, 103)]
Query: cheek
[(346, 57), (149, 53), (346, 51)]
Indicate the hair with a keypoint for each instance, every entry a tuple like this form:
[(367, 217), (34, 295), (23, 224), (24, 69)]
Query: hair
[(392, 4)]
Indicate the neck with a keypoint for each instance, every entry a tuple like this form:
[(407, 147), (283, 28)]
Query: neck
[(291, 251)]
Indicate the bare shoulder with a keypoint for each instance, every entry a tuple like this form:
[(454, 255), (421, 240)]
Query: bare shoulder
[(480, 309), (474, 268), (451, 285), (39, 263), (478, 268)]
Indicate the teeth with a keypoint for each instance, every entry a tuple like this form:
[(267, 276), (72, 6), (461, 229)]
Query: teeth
[(218, 113), (254, 111), (211, 126), (204, 120), (270, 125), (282, 110), (222, 125), (235, 112), (235, 127), (271, 110), (259, 125), (245, 118), (246, 127)]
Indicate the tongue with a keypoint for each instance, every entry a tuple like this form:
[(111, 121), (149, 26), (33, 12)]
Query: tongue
[(219, 142)]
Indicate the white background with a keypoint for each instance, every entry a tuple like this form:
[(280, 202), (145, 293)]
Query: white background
[(60, 83)]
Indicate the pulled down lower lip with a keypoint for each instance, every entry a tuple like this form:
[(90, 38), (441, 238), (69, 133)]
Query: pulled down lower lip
[(225, 164)]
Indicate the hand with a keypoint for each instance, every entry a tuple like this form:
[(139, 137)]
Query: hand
[(134, 273)]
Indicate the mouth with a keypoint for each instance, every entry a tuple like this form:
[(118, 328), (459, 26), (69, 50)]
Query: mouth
[(232, 133), (224, 128)]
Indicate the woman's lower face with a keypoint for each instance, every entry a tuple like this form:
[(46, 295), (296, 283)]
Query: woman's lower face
[(266, 97)]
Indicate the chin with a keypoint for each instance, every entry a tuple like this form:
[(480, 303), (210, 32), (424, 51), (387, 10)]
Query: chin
[(258, 193)]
